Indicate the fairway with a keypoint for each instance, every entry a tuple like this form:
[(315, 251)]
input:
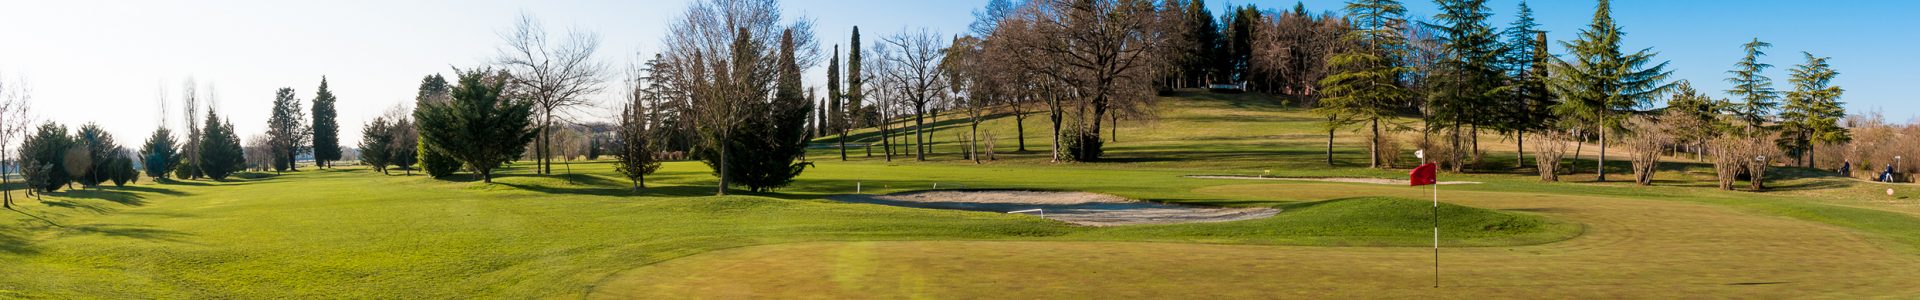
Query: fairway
[(354, 233), (1631, 249)]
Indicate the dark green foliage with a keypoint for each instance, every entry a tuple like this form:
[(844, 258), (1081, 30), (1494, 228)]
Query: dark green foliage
[(479, 127), (220, 149), (121, 170), (376, 144), (161, 154), (287, 131), (43, 157), (433, 89), (1467, 88), (1752, 86), (784, 127), (856, 91), (1813, 111), (326, 129), (435, 163), (1205, 36), (101, 154), (1080, 146), (403, 147), (1600, 85)]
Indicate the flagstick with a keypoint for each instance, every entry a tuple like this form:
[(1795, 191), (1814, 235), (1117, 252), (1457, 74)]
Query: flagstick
[(1436, 234)]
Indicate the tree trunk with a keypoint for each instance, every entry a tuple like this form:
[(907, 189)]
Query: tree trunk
[(1578, 143), (1475, 135), (722, 191), (843, 144), (919, 138), (1116, 129), (1601, 166), (1020, 128), (1520, 141), (1373, 145), (1330, 130)]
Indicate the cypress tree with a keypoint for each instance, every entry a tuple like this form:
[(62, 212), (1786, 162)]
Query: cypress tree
[(836, 120), (785, 134), (1601, 84), (856, 92), (326, 129)]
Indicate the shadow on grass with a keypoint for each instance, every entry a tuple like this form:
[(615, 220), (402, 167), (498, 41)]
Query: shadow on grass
[(130, 231), (13, 241), (121, 197)]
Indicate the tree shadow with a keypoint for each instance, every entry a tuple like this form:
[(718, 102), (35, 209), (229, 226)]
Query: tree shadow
[(617, 190), (1810, 185), (142, 232), (121, 197), (74, 205), (181, 182), (143, 189), (14, 241)]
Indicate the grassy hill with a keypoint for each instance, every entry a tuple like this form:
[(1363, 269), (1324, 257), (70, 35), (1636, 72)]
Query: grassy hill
[(354, 233)]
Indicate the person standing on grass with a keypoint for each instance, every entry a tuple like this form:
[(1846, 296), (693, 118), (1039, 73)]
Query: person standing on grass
[(1888, 175), (1846, 168)]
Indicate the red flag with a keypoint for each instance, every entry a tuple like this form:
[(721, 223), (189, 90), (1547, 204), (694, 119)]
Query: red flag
[(1424, 175)]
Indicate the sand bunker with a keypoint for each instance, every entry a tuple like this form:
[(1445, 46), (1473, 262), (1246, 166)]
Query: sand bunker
[(1334, 179), (1079, 208)]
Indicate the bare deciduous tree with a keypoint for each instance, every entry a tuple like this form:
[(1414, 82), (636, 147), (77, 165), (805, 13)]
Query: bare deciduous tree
[(916, 59), (556, 75), (16, 118)]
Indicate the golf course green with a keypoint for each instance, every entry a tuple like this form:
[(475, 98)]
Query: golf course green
[(355, 233)]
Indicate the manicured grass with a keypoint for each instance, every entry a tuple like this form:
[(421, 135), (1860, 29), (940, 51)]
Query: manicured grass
[(354, 233)]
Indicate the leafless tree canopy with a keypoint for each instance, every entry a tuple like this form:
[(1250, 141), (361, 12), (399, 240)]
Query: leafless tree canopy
[(557, 75)]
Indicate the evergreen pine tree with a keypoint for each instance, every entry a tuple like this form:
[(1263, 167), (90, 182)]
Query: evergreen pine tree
[(1365, 85), (1602, 84), (160, 154), (43, 157), (783, 130), (1813, 110), (480, 127), (287, 131), (1751, 86), (376, 139), (100, 146), (1467, 91), (433, 89), (220, 148), (326, 129)]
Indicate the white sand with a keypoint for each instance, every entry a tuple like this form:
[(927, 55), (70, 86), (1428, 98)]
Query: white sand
[(1330, 179), (1080, 208)]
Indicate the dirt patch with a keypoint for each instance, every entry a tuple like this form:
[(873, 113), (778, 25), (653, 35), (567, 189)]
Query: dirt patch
[(1329, 179), (1080, 208)]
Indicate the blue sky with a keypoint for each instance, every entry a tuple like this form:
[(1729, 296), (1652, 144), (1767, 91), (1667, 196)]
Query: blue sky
[(107, 61)]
